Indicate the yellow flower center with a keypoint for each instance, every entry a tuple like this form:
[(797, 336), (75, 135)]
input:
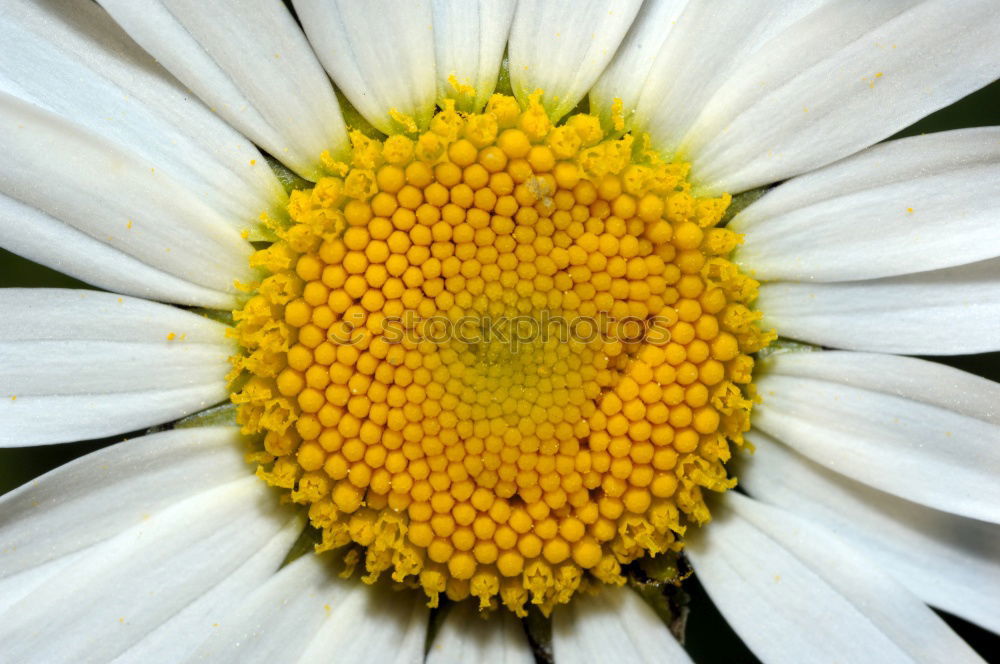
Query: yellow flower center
[(499, 359)]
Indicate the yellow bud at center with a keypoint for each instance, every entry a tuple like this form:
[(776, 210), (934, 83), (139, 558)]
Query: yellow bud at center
[(503, 357)]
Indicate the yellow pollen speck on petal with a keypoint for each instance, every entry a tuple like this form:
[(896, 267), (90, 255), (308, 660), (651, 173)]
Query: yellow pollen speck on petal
[(871, 81), (171, 336), (406, 121), (617, 114), (500, 358), (461, 88)]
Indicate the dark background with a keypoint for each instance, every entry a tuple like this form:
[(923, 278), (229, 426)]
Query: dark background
[(709, 639)]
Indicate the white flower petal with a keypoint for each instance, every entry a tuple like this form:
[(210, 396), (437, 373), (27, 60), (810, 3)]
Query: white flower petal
[(612, 627), (700, 55), (73, 60), (306, 613), (17, 586), (276, 622), (467, 636), (177, 638), (562, 47), (768, 92), (83, 364), (249, 62), (115, 196), (625, 77), (795, 593), (373, 624), (44, 239), (942, 312), (469, 40), (911, 378), (872, 75), (100, 495), (930, 438), (126, 587), (911, 205), (379, 52), (948, 561)]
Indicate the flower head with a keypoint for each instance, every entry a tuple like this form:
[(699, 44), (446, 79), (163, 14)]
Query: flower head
[(486, 294)]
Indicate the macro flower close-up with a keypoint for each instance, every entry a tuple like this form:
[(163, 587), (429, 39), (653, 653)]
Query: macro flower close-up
[(499, 330)]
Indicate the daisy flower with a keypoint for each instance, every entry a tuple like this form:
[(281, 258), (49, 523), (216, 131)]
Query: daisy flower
[(441, 322)]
